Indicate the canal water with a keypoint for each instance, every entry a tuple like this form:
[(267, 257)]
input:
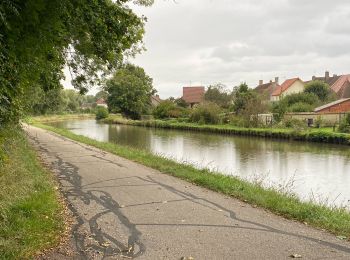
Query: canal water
[(313, 171)]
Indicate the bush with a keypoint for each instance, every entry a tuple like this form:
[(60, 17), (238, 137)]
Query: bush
[(101, 113), (163, 109), (301, 107), (293, 123), (344, 126), (168, 109), (207, 113)]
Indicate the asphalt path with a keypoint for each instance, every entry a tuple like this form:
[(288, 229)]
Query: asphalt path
[(124, 210)]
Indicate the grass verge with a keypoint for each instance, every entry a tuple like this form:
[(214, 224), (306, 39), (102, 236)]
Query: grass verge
[(311, 135), (31, 218), (56, 118), (335, 220)]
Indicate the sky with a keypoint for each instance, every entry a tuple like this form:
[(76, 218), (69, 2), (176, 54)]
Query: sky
[(204, 42)]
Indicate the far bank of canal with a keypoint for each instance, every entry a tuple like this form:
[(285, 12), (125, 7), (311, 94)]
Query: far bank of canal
[(317, 170)]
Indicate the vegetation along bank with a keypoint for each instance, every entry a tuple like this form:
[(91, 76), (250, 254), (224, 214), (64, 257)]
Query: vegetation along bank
[(323, 135)]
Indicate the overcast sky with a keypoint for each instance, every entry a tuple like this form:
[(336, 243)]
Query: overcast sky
[(202, 42)]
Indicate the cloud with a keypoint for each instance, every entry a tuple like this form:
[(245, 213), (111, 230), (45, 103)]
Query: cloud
[(229, 41)]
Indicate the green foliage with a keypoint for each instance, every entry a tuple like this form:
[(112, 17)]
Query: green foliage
[(130, 91), (218, 95), (31, 218), (169, 109), (298, 102), (38, 38), (101, 94), (101, 113), (320, 89), (206, 113), (242, 95), (344, 126), (294, 123), (301, 107), (181, 103)]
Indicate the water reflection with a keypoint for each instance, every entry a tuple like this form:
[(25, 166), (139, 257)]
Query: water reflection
[(322, 169)]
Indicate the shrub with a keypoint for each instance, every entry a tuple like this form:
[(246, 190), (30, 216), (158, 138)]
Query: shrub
[(206, 113), (293, 123), (168, 109), (101, 113), (344, 126), (301, 107)]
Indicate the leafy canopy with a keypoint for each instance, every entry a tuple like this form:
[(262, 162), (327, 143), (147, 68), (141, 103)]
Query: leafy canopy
[(319, 88), (130, 91), (218, 94), (39, 37)]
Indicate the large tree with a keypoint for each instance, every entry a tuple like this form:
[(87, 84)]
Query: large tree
[(39, 37), (130, 91), (320, 89)]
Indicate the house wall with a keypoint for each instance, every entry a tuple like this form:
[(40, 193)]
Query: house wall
[(297, 87), (338, 108), (329, 119)]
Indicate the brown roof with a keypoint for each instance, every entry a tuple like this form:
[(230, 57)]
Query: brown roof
[(338, 85), (280, 89), (156, 99), (329, 80), (266, 88), (331, 104), (193, 94)]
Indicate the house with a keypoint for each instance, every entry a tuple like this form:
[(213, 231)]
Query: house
[(155, 100), (266, 89), (101, 103), (193, 95), (340, 84), (290, 86), (330, 80), (342, 87), (339, 106)]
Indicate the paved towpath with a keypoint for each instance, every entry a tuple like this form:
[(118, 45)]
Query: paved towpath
[(126, 210)]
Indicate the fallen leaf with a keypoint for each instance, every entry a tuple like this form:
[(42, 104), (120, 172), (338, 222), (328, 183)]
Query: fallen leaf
[(342, 237)]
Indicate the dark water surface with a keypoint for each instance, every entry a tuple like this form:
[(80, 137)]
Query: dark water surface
[(320, 171)]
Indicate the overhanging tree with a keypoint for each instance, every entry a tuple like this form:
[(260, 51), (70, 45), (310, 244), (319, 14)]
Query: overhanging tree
[(39, 37)]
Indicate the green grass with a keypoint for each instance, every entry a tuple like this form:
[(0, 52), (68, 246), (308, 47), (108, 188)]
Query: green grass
[(335, 220), (56, 118), (322, 135), (31, 216)]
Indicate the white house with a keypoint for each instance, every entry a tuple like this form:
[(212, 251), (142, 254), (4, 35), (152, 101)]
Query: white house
[(290, 86)]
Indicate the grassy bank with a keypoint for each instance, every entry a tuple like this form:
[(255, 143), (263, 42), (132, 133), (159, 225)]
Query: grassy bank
[(335, 220), (312, 135), (56, 118), (31, 217)]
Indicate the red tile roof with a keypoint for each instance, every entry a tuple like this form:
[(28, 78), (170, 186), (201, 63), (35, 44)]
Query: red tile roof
[(193, 94), (280, 89), (338, 85)]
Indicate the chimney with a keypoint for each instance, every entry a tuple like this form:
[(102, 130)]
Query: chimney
[(313, 77), (261, 82), (276, 80), (270, 81), (326, 75)]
